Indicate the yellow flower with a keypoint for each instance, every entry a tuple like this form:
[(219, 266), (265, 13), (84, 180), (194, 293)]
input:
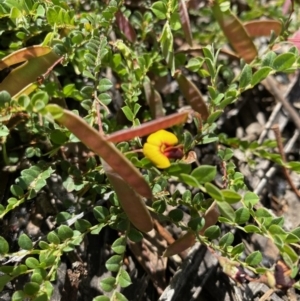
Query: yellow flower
[(160, 147)]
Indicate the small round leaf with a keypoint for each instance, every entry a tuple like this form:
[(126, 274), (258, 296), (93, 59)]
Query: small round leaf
[(4, 247), (25, 242), (212, 232), (64, 232), (108, 284), (254, 259)]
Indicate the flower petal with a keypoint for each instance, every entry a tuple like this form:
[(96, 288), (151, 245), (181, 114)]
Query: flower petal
[(162, 137), (153, 153)]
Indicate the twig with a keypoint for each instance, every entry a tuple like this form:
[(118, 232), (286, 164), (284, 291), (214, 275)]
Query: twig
[(43, 76), (267, 294), (271, 84), (100, 129), (276, 130), (272, 170), (270, 122)]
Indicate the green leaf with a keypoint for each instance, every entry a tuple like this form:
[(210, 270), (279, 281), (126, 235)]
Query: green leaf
[(128, 113), (58, 137), (159, 9), (225, 154), (135, 235), (194, 64), (214, 192), (291, 238), (119, 245), (284, 61), (252, 229), (105, 98), (296, 232), (204, 173), (113, 263), (32, 262), (254, 258), (260, 75), (31, 288), (100, 213), (96, 230), (159, 206), (268, 59), (226, 210), (166, 43), (250, 199), (212, 232), (4, 131), (82, 225), (189, 180), (196, 223), (18, 296), (177, 168), (262, 212), (230, 197), (64, 232), (37, 277), (242, 215), (238, 249), (124, 278), (214, 116), (18, 270), (101, 298), (119, 297), (176, 215), (17, 190), (104, 85), (108, 284), (4, 247), (53, 238), (226, 240), (4, 98), (4, 279), (245, 77), (42, 297), (25, 242), (291, 253), (275, 229)]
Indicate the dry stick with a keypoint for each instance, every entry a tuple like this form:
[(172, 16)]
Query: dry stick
[(271, 85), (43, 76), (276, 130), (270, 122), (100, 129), (272, 170), (267, 294)]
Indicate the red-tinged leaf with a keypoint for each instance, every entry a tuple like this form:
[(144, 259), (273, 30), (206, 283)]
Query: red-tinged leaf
[(154, 101), (148, 127), (131, 202), (180, 245), (97, 143), (211, 217), (296, 39), (125, 27), (286, 6), (192, 95), (185, 22), (23, 54), (235, 33), (27, 73), (259, 28)]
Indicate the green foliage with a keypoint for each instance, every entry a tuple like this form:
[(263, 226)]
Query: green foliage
[(97, 76)]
